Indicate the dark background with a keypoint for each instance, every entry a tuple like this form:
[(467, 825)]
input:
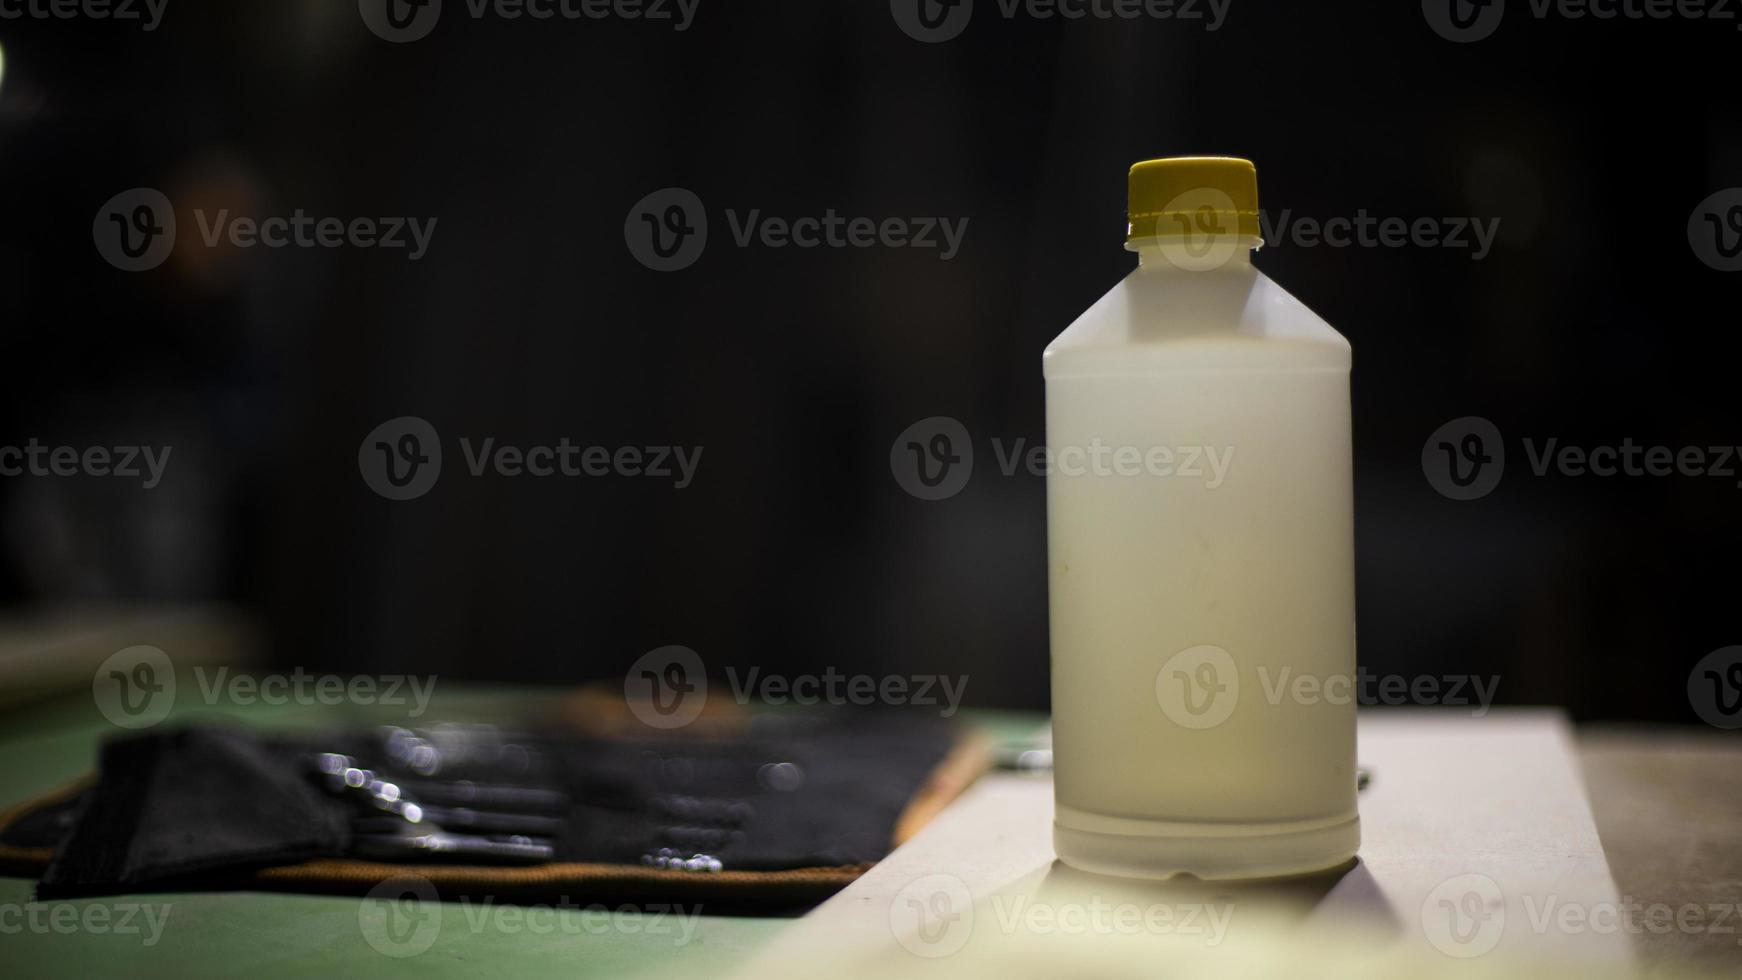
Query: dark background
[(1591, 320)]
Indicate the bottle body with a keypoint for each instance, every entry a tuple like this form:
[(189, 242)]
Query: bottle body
[(1202, 593)]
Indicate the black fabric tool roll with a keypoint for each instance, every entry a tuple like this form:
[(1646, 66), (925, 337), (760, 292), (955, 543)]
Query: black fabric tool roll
[(211, 807)]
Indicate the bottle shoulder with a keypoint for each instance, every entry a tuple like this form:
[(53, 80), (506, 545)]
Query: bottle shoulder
[(1168, 320)]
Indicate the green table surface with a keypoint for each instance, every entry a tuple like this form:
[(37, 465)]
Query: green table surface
[(264, 934)]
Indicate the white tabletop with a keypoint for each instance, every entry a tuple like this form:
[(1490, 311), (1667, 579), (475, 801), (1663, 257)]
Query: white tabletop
[(1478, 854)]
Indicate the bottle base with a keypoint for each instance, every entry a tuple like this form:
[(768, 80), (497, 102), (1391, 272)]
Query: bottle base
[(1129, 848)]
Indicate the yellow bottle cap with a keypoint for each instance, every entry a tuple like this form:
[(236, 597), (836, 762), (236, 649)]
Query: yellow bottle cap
[(1192, 196)]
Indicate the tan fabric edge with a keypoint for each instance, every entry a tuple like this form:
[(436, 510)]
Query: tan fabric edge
[(339, 870), (966, 762), (25, 861)]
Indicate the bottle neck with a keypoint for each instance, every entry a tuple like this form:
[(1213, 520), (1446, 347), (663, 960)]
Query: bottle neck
[(1207, 255)]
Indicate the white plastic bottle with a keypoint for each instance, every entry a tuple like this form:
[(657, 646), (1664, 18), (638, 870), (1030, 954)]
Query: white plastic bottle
[(1200, 523)]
